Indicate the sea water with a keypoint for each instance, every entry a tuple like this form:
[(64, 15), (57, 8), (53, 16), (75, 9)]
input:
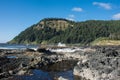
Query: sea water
[(16, 46)]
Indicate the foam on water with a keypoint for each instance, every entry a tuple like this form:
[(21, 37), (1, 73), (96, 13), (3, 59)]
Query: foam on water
[(66, 50)]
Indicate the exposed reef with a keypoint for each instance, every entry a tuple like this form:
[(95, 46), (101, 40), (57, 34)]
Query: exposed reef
[(87, 63)]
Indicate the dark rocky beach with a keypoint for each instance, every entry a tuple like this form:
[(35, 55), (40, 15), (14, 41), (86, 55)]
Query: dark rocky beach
[(86, 63)]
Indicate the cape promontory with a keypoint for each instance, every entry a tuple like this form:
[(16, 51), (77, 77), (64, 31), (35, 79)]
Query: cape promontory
[(54, 30)]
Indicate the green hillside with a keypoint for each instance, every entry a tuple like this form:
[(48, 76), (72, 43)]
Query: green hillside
[(105, 41), (54, 30)]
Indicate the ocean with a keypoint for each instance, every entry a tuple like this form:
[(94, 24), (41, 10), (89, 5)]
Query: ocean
[(16, 46)]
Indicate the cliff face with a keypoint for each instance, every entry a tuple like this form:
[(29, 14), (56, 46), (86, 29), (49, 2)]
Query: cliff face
[(56, 24)]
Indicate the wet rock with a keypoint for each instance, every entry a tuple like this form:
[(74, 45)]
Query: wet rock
[(30, 50), (4, 75), (21, 72), (11, 66), (1, 50), (43, 50), (61, 78), (10, 72)]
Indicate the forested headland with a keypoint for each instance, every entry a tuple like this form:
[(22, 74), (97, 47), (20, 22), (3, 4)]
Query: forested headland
[(54, 30)]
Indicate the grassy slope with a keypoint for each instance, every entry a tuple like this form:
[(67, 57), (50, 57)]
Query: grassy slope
[(105, 42)]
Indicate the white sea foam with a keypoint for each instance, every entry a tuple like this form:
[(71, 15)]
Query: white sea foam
[(66, 50)]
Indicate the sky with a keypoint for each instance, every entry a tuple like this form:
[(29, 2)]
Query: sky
[(17, 15)]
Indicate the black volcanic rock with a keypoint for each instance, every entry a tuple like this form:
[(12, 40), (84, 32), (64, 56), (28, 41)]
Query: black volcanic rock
[(1, 51), (103, 64), (43, 50), (30, 50)]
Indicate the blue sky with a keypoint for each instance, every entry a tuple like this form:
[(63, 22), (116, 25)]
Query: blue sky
[(17, 15)]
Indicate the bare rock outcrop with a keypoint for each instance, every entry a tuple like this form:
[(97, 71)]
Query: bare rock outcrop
[(104, 64)]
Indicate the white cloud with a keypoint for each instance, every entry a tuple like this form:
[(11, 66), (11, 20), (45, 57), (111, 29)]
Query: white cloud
[(71, 17), (103, 5), (77, 9), (116, 16)]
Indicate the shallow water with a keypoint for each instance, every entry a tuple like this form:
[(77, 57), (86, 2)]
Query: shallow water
[(65, 74), (62, 69), (11, 57), (42, 75), (36, 75), (60, 66)]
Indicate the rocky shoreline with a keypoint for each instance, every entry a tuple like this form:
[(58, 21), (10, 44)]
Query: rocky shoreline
[(88, 63), (103, 64)]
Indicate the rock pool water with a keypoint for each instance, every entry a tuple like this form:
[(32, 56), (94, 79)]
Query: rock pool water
[(42, 75), (61, 70), (35, 75), (11, 57)]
